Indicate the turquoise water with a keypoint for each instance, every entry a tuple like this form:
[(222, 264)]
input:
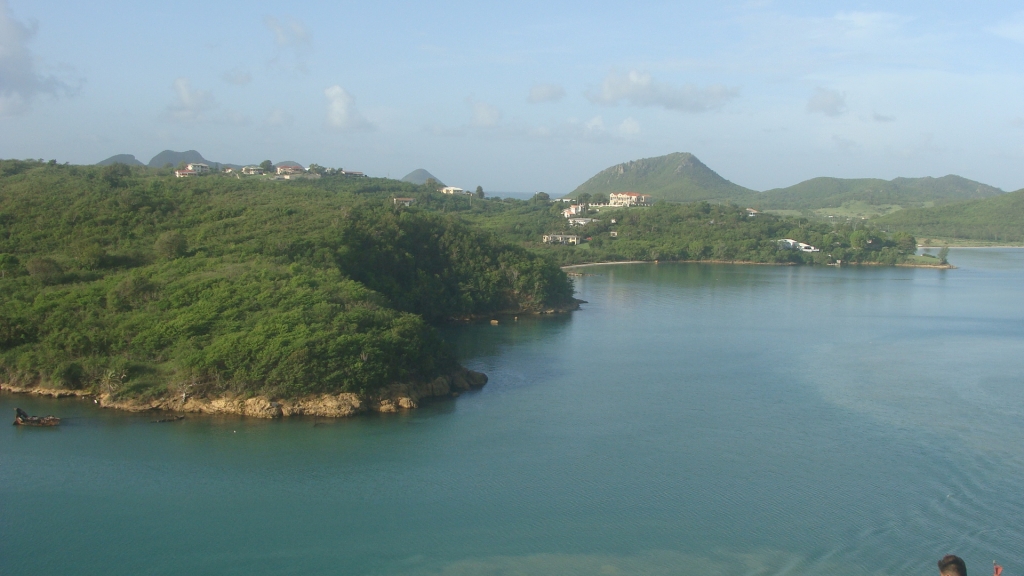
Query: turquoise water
[(690, 419)]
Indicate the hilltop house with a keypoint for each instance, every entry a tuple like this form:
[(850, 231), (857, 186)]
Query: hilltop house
[(790, 244), (185, 173), (290, 169), (198, 168), (403, 201), (581, 221), (561, 239), (751, 212), (252, 170), (453, 190), (629, 199)]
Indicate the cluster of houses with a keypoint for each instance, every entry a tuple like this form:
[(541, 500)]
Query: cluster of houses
[(615, 200), (282, 172), (575, 212)]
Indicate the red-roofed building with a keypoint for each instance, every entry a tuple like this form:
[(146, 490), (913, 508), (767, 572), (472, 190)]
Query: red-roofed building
[(629, 199)]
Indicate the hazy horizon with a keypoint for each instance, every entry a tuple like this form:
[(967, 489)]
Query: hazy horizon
[(532, 97)]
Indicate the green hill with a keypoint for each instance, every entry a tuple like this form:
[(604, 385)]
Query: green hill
[(999, 219), (128, 159), (174, 158), (130, 282), (824, 193), (678, 177), (420, 176)]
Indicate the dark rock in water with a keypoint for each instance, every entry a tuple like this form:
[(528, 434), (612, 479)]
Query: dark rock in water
[(171, 419), (21, 418)]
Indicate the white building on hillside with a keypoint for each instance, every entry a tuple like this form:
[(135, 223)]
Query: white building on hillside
[(199, 168), (571, 239), (574, 210), (629, 199), (453, 190), (790, 244)]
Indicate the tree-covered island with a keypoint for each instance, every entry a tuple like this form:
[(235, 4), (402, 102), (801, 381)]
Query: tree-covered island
[(225, 293)]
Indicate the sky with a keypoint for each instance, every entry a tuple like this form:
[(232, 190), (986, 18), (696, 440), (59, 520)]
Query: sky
[(526, 96)]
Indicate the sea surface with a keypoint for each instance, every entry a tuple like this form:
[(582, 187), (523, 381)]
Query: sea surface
[(690, 419)]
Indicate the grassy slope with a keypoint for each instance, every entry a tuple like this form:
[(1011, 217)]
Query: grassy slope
[(678, 177), (999, 219), (823, 193)]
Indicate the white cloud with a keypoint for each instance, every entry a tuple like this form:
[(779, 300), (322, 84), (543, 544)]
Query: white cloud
[(341, 111), (640, 89), (828, 102), (20, 81), (190, 105), (882, 118), (629, 128), (484, 115), (546, 93), (237, 77), (287, 32), (1012, 28)]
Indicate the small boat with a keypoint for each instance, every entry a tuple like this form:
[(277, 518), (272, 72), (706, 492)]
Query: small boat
[(23, 419)]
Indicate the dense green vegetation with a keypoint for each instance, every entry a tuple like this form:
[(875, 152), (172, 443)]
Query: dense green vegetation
[(678, 177), (819, 193), (999, 219), (130, 281), (698, 231)]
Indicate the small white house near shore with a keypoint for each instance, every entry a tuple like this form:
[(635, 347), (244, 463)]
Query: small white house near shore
[(790, 244), (572, 239)]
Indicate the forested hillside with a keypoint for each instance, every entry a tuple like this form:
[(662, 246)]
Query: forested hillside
[(715, 232), (129, 281), (999, 219)]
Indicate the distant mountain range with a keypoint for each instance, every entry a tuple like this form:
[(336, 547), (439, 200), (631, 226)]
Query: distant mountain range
[(173, 158), (420, 176), (681, 177), (998, 219), (820, 193)]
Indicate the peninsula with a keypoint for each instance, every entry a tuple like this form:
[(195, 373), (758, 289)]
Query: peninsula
[(255, 296)]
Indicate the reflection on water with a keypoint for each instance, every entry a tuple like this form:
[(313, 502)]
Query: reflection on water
[(691, 419)]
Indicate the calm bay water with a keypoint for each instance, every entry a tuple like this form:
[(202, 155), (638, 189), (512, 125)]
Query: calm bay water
[(691, 419)]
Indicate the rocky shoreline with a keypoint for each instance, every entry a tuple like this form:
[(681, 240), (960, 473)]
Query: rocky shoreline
[(391, 399), (748, 263)]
